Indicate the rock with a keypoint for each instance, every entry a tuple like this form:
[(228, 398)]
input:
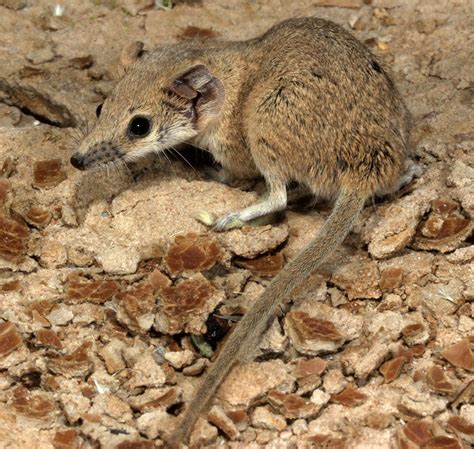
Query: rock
[(110, 405), (53, 254), (74, 406), (370, 358), (68, 216), (442, 299), (312, 335), (299, 427), (334, 381), (264, 418), (186, 306), (462, 177), (60, 316), (40, 56), (203, 433), (391, 278), (417, 401), (373, 439), (320, 398), (112, 355), (438, 381), (398, 225), (240, 418), (155, 424), (309, 367), (65, 439), (119, 260), (444, 229), (147, 373), (197, 368), (248, 382), (179, 359), (359, 278), (218, 417), (273, 340), (327, 332), (153, 399), (416, 433), (253, 241)]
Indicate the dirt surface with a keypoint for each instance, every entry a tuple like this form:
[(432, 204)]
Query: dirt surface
[(105, 278)]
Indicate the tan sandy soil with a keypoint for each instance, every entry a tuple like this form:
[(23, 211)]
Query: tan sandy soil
[(104, 280)]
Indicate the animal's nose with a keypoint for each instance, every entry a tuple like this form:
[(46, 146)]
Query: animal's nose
[(77, 161)]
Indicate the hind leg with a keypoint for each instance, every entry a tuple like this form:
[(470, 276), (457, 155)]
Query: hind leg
[(412, 171), (274, 201)]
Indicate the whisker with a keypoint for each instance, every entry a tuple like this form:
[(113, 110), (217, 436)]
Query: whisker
[(124, 164), (163, 154), (175, 151)]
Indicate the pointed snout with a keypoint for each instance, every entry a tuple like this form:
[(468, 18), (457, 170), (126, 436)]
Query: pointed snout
[(77, 161)]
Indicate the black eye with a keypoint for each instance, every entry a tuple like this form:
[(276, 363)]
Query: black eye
[(139, 126), (99, 110)]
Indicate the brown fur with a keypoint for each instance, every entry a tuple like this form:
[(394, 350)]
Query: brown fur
[(304, 102)]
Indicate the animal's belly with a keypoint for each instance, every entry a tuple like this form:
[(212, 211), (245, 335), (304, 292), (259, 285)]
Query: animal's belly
[(236, 159)]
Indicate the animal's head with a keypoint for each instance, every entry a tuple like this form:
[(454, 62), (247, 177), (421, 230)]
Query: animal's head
[(160, 102)]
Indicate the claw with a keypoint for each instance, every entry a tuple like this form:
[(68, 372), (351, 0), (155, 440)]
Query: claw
[(206, 218), (231, 221)]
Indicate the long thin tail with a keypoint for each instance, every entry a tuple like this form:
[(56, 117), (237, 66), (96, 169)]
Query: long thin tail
[(256, 321)]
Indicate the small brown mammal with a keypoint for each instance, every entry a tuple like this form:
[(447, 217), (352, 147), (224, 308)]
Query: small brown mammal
[(304, 102)]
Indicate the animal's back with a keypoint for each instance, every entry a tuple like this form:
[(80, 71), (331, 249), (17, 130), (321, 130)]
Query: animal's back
[(325, 94)]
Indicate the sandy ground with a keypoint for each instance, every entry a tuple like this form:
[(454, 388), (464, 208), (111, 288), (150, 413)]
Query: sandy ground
[(105, 279)]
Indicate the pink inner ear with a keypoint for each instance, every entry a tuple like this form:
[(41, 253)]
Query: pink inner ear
[(183, 90)]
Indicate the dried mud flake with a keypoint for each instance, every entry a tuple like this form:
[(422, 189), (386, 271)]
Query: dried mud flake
[(13, 239), (265, 266), (98, 291), (392, 369), (192, 252), (460, 355), (36, 405), (47, 174), (10, 339), (75, 364), (350, 397)]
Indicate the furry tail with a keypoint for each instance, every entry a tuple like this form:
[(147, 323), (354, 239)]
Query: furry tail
[(256, 321)]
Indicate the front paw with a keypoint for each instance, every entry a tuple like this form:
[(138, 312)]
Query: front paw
[(206, 218), (228, 222)]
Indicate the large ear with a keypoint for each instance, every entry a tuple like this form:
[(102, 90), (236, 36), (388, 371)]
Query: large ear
[(204, 89)]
